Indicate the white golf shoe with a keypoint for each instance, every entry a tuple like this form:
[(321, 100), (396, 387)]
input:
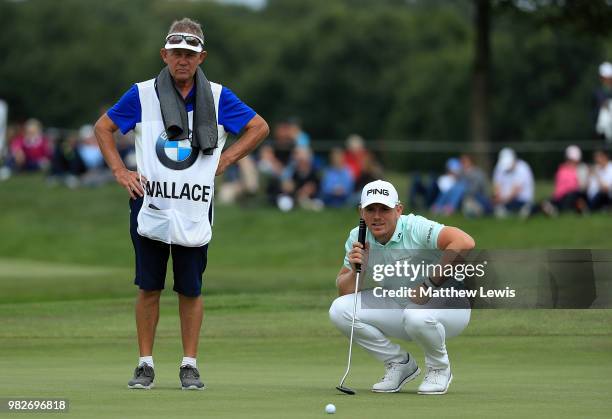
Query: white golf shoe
[(436, 381), (396, 375)]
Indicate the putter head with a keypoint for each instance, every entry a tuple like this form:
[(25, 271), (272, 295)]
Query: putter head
[(345, 390)]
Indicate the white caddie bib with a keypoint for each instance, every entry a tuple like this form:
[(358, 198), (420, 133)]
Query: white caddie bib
[(177, 207)]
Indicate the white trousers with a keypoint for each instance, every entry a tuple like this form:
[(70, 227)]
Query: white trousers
[(428, 327)]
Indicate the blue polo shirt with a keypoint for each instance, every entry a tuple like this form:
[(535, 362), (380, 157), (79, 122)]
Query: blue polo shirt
[(233, 113), (412, 232)]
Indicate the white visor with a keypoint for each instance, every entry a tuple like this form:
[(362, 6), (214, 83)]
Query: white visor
[(184, 44)]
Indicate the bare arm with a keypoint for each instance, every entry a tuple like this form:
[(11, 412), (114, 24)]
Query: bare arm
[(104, 130), (254, 133), (450, 238), (453, 238), (345, 281)]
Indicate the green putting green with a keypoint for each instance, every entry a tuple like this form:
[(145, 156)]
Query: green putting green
[(267, 349)]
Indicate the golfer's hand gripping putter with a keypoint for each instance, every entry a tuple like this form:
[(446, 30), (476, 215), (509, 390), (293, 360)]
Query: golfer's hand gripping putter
[(361, 239)]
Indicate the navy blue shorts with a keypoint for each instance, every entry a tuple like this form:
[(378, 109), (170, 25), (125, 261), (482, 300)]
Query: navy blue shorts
[(188, 263)]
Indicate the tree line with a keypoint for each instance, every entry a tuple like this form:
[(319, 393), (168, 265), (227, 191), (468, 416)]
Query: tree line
[(388, 69)]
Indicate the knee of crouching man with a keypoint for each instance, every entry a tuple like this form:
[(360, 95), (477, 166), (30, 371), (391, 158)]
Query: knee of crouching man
[(415, 319), (337, 311)]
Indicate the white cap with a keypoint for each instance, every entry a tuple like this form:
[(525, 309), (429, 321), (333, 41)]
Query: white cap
[(605, 70), (506, 159), (573, 153), (379, 192), (183, 44)]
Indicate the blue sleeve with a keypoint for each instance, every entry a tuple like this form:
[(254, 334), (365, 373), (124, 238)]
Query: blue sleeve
[(127, 112), (233, 113)]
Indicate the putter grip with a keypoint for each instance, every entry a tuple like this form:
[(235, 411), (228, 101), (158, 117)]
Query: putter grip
[(361, 239)]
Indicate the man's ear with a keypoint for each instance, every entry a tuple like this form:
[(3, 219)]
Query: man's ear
[(400, 208), (203, 56), (163, 53)]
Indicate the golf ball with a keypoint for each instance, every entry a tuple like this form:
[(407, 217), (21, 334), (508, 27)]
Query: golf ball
[(330, 408)]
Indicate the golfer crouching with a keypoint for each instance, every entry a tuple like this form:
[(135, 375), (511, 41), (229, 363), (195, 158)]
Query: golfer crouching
[(420, 319)]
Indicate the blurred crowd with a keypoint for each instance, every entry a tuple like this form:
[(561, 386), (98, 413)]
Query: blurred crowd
[(578, 187), (287, 173), (464, 187), (292, 175), (72, 158)]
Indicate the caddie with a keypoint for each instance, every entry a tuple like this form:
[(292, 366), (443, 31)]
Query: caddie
[(181, 122)]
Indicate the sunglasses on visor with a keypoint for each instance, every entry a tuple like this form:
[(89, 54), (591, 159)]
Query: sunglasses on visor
[(191, 40)]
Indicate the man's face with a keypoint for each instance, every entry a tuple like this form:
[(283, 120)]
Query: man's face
[(466, 162), (182, 63), (381, 220)]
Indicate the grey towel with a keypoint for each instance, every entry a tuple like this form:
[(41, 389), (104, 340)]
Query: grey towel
[(174, 115)]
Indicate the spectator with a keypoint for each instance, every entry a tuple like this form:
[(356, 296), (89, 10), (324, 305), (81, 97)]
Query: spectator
[(300, 138), (284, 143), (451, 189), (274, 159), (423, 191), (370, 171), (88, 148), (32, 150), (97, 173), (303, 183), (240, 181), (66, 164), (355, 155), (570, 183), (337, 183), (602, 103), (600, 181), (476, 200), (513, 185)]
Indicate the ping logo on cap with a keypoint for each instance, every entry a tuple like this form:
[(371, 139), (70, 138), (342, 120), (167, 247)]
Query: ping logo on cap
[(377, 191)]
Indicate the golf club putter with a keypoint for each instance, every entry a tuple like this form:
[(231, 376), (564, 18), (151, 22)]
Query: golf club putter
[(361, 239)]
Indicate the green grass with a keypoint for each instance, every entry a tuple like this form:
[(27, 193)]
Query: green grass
[(267, 349)]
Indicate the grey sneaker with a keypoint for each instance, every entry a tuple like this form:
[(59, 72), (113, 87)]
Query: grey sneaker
[(190, 378), (436, 381), (396, 375), (143, 377)]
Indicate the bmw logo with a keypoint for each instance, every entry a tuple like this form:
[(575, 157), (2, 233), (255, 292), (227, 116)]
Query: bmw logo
[(175, 155)]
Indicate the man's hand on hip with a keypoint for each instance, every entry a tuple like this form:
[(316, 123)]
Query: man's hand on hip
[(131, 181)]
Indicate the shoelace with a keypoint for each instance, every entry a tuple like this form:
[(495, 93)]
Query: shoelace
[(433, 375), (144, 371), (190, 372), (392, 367)]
